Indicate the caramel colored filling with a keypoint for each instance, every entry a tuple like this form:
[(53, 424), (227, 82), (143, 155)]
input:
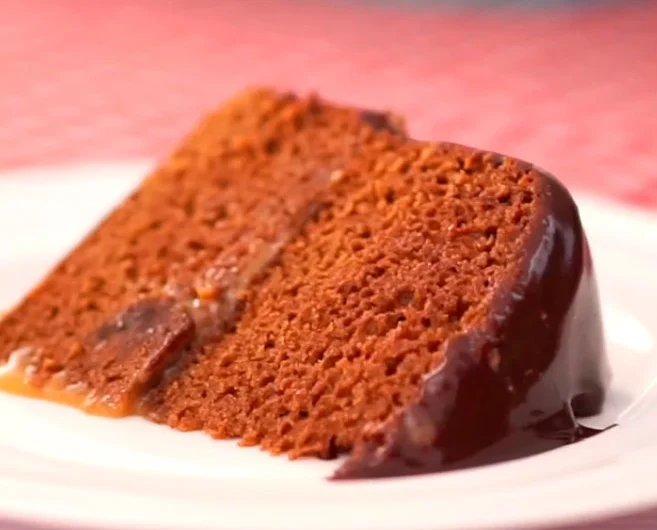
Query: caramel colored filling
[(16, 377)]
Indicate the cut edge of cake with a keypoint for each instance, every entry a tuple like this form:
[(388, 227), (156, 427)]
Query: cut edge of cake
[(301, 291)]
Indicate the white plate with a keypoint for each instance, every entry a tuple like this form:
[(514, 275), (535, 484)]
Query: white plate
[(59, 466)]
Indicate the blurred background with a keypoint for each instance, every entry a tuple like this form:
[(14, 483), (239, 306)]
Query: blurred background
[(569, 85)]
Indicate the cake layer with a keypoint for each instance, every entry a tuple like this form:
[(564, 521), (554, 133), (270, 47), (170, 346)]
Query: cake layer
[(201, 230), (305, 277)]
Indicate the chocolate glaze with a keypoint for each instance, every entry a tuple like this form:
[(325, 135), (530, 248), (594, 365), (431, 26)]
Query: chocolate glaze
[(382, 121), (514, 387)]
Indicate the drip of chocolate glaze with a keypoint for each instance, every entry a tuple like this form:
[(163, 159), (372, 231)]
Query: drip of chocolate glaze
[(514, 387)]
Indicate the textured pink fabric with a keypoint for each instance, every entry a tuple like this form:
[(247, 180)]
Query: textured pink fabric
[(573, 91)]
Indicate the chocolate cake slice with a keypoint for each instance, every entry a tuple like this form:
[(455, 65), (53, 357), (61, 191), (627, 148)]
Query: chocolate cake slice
[(307, 278)]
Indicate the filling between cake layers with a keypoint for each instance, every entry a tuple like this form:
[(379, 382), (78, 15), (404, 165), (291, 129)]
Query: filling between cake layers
[(288, 278)]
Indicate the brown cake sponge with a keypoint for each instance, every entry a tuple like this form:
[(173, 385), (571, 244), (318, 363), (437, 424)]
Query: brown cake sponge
[(297, 273)]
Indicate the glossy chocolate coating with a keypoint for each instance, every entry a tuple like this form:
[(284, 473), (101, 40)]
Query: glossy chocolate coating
[(514, 387)]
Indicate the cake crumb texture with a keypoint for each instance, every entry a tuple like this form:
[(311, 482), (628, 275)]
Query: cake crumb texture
[(287, 277)]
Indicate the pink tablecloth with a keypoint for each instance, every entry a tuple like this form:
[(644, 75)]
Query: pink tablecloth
[(572, 90)]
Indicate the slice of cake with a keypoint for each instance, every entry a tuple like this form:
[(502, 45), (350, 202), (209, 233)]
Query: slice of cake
[(307, 278)]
